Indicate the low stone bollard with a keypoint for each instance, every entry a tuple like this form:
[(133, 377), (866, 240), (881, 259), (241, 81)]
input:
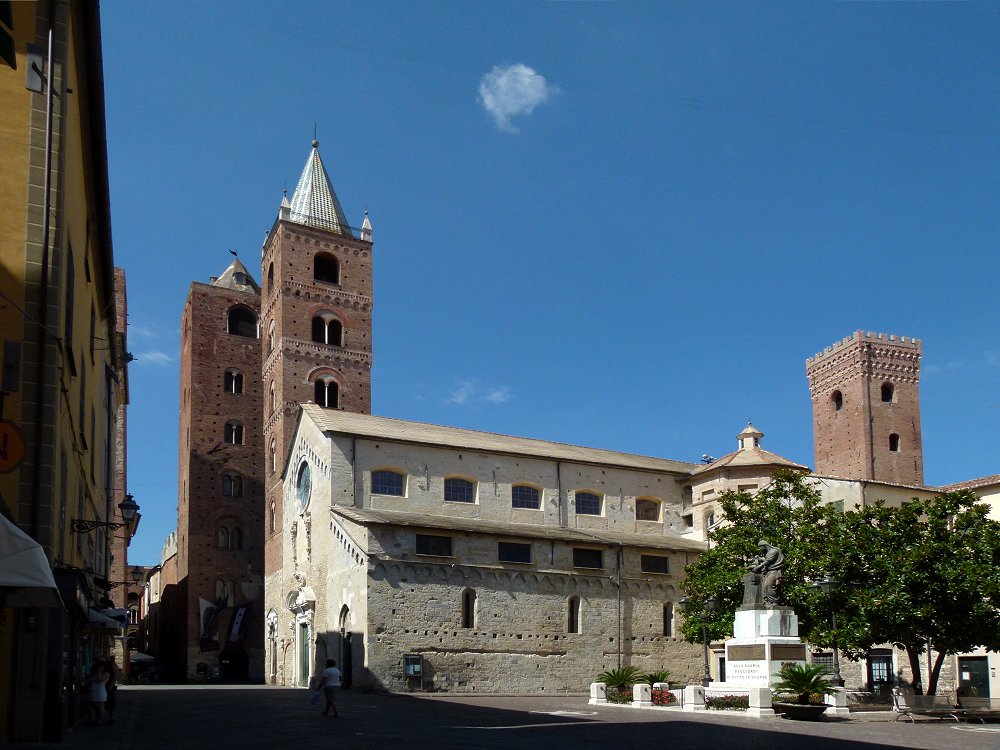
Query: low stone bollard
[(837, 698), (642, 696), (694, 698), (760, 703), (598, 693)]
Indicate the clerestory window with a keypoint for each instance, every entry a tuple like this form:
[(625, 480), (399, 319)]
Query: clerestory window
[(588, 504), (387, 482), (457, 490), (525, 496), (647, 509)]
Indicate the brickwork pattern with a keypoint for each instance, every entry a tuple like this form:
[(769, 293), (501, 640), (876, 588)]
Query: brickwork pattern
[(292, 361), (207, 352), (853, 442)]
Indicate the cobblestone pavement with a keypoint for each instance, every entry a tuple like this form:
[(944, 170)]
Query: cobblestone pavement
[(248, 717)]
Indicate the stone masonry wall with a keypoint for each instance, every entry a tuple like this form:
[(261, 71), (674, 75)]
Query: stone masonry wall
[(519, 643)]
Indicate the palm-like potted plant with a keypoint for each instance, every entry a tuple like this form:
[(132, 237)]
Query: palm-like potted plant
[(808, 683), (618, 681)]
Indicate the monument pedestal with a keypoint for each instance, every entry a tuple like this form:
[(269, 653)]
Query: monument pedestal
[(765, 638)]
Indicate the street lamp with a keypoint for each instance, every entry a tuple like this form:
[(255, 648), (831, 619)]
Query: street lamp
[(828, 584), (136, 574), (708, 607), (128, 507)]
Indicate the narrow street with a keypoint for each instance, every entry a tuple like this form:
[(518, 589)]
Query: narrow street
[(213, 717)]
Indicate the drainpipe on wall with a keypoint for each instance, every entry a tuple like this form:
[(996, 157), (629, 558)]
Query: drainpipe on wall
[(621, 554), (354, 475), (563, 508)]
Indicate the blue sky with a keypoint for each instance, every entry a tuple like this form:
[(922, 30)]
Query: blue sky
[(623, 225)]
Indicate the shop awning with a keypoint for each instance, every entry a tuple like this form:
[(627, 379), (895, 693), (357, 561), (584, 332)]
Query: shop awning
[(116, 613), (97, 620), (25, 575)]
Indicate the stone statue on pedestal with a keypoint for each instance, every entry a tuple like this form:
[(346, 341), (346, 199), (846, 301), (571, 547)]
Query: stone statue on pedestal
[(760, 584)]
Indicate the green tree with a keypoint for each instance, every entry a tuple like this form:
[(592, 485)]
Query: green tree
[(926, 572), (788, 513)]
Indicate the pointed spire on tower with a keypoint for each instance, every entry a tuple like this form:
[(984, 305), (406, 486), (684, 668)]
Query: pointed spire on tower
[(314, 202), (366, 228)]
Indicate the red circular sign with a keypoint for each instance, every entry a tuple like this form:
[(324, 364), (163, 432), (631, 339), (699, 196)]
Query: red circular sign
[(11, 446)]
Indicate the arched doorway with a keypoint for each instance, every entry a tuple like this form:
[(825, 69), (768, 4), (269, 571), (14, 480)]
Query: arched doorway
[(272, 647), (346, 650), (302, 604)]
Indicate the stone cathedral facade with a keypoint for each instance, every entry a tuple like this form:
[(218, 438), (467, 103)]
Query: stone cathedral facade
[(428, 557)]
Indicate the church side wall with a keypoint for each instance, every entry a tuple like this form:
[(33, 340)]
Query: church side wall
[(426, 469), (519, 641)]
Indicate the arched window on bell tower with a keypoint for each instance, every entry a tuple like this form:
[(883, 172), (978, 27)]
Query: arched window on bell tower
[(326, 268), (327, 393), (327, 329)]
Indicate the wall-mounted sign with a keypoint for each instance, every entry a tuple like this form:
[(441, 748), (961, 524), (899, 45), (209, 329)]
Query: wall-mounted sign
[(11, 446)]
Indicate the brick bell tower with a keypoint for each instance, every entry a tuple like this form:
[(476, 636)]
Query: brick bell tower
[(316, 326), (866, 409)]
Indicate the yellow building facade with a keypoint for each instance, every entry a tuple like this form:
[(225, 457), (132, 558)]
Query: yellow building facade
[(63, 366)]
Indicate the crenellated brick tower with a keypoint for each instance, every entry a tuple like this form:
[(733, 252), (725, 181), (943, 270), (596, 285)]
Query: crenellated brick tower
[(866, 409)]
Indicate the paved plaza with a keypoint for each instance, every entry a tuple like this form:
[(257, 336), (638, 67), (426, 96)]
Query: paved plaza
[(214, 717)]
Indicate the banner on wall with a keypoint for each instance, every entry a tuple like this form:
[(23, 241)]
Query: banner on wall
[(208, 625), (239, 617)]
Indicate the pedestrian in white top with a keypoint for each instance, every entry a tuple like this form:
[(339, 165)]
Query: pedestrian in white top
[(330, 682)]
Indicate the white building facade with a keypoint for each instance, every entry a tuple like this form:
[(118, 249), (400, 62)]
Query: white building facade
[(486, 563)]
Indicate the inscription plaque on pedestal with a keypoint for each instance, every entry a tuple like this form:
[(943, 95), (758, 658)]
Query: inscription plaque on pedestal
[(753, 652), (788, 652)]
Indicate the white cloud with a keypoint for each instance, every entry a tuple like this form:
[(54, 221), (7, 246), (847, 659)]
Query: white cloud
[(514, 90), (142, 332), (470, 392), (461, 393), (160, 359), (498, 395)]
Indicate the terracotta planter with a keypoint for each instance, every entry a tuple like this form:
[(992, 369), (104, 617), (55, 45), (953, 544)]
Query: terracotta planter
[(800, 711)]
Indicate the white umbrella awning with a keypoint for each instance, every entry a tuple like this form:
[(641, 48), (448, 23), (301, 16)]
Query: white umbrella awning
[(25, 575)]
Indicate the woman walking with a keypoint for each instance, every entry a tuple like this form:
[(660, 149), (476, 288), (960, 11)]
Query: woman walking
[(330, 682), (97, 693)]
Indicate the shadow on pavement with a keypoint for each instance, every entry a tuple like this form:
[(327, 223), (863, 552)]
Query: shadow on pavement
[(219, 716)]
